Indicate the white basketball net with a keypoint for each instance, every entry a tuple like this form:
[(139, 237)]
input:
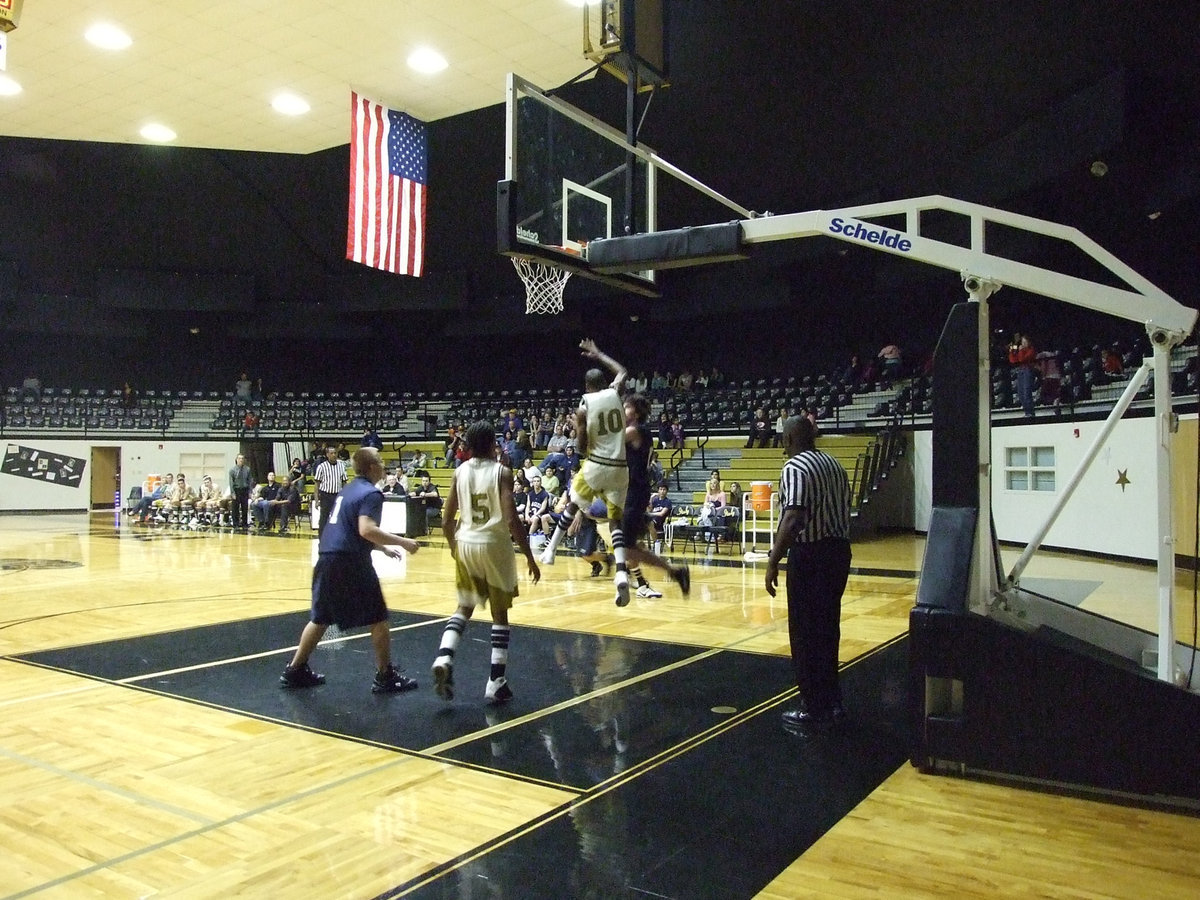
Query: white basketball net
[(543, 285)]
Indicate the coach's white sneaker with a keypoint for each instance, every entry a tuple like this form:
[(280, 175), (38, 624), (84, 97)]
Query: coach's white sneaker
[(648, 592), (622, 583)]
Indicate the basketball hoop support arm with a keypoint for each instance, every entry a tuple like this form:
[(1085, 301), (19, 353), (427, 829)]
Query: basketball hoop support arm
[(1167, 323)]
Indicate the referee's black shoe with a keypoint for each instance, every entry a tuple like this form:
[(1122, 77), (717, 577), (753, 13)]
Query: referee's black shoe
[(392, 681)]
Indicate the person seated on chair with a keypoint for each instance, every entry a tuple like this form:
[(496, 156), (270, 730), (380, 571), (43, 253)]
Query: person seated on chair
[(370, 438), (286, 503), (391, 486), (181, 500), (567, 463), (552, 482), (537, 504), (659, 512), (264, 508), (420, 460), (208, 500), (427, 493), (714, 499), (760, 430), (147, 504), (735, 495)]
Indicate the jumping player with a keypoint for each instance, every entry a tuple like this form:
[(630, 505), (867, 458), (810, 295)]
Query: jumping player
[(603, 474)]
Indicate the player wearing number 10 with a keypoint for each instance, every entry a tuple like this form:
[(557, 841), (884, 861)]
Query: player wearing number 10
[(604, 474)]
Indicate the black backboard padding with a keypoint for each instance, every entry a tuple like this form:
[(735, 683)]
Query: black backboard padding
[(668, 249)]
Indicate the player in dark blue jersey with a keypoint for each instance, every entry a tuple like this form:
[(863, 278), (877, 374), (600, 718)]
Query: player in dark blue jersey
[(345, 588)]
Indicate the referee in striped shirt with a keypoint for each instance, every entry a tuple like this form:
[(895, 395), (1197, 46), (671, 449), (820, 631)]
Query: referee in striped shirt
[(331, 478), (814, 534)]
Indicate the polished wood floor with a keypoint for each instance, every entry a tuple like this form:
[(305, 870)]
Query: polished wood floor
[(145, 749)]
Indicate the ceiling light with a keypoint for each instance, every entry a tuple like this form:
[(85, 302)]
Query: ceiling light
[(107, 37), (1099, 168), (8, 87), (160, 134), (427, 60), (290, 104)]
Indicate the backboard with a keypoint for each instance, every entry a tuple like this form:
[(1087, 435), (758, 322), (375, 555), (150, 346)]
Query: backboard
[(569, 179)]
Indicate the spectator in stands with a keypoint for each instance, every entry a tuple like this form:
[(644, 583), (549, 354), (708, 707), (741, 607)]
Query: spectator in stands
[(735, 495), (714, 500), (716, 378), (677, 434), (538, 504), (543, 430), (658, 383), (890, 362), (370, 438), (343, 452), (520, 494), (1051, 374), (641, 383), (811, 415), (853, 372), (702, 380), (242, 390), (513, 422), (565, 459), (1185, 381), (664, 431), (128, 397), (1023, 357), (522, 450), (263, 508), (557, 442), (529, 470), (296, 474), (31, 388), (420, 460), (1113, 364), (427, 493), (780, 418), (685, 381), (551, 482), (316, 456), (654, 469), (760, 430)]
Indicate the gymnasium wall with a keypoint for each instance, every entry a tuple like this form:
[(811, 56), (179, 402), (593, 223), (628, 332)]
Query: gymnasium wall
[(1103, 515), (41, 486)]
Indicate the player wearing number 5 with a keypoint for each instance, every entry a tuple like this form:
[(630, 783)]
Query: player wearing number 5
[(480, 522), (604, 473), (345, 588)]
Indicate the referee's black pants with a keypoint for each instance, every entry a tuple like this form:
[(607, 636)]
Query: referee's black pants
[(326, 500), (816, 578)]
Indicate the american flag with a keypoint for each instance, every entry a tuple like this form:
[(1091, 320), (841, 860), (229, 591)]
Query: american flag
[(387, 188)]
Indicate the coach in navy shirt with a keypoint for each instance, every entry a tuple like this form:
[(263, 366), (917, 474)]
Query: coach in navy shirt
[(345, 589)]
